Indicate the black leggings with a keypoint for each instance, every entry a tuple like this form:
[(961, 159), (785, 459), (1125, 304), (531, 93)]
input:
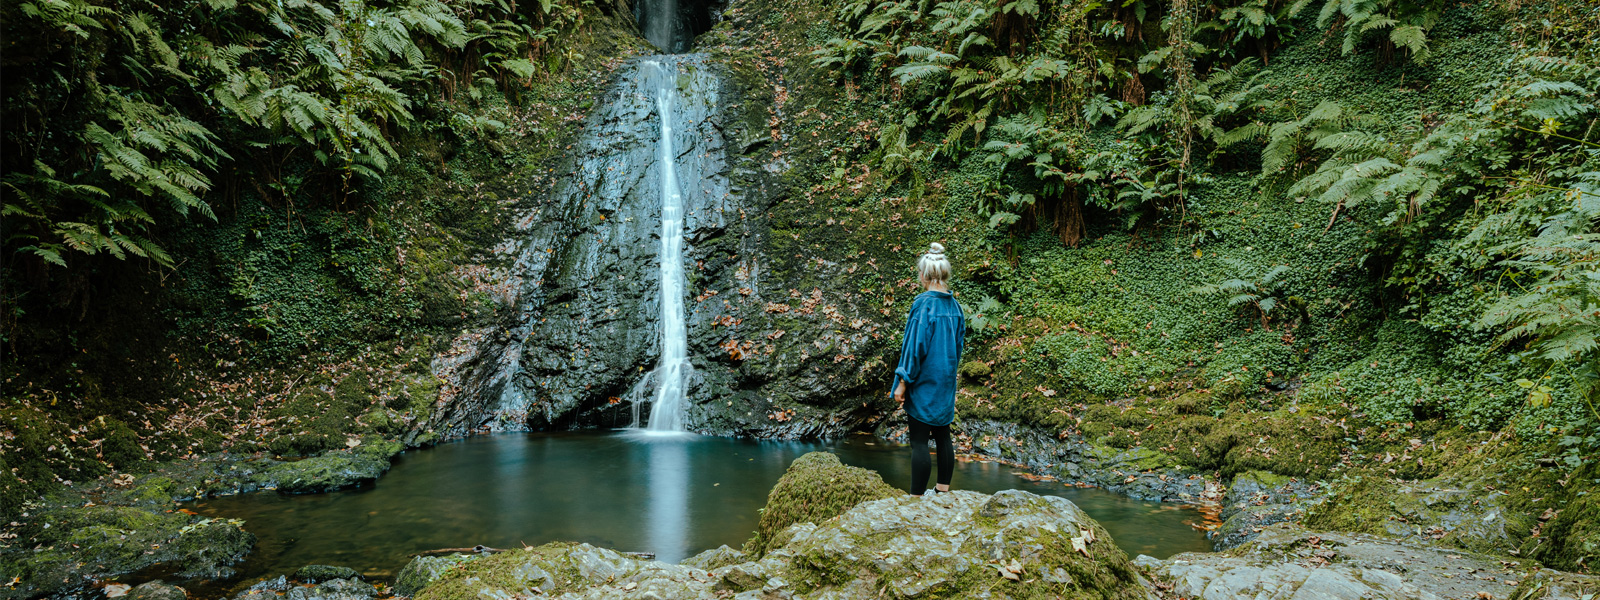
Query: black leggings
[(919, 455)]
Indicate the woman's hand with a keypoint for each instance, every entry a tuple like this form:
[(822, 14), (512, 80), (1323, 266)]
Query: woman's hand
[(900, 392)]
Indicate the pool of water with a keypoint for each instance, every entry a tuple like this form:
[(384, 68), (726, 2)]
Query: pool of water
[(672, 496)]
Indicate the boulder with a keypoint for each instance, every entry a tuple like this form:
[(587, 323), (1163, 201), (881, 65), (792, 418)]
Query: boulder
[(714, 558), (325, 473), (156, 590), (959, 545), (337, 589), (321, 573), (424, 570), (1291, 562), (1471, 515), (816, 487)]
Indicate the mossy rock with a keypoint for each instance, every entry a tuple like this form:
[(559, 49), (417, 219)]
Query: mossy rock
[(119, 445), (83, 544), (975, 369), (331, 471), (312, 422), (424, 570), (1457, 513), (151, 489), (817, 487), (1574, 533), (715, 558), (321, 573), (354, 392), (949, 546), (156, 590), (1279, 442)]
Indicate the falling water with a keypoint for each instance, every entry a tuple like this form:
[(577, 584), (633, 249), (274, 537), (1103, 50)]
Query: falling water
[(659, 23), (671, 374)]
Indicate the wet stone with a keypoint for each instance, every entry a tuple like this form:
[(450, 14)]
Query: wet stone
[(156, 590), (321, 573), (424, 570)]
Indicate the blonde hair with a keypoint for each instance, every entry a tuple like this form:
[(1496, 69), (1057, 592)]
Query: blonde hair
[(933, 267)]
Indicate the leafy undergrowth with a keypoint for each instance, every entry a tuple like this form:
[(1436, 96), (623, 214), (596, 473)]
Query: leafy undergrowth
[(1248, 323), (303, 318)]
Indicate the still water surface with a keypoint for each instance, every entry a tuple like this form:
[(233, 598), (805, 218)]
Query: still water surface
[(671, 496)]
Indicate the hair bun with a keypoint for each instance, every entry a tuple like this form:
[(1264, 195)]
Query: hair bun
[(936, 249)]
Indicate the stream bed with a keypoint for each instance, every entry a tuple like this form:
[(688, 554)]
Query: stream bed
[(674, 496)]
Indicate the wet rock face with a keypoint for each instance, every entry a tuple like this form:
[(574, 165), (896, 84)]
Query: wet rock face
[(578, 349), (585, 332), (960, 545)]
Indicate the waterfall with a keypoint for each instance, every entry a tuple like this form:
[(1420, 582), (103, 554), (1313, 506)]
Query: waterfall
[(659, 23), (672, 373)]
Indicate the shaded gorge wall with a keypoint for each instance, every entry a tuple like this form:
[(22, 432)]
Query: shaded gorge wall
[(672, 25)]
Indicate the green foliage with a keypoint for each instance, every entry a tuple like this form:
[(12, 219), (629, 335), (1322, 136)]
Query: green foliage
[(1259, 291), (119, 115), (1407, 21)]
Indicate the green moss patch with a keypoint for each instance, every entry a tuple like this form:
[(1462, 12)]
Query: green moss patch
[(817, 487)]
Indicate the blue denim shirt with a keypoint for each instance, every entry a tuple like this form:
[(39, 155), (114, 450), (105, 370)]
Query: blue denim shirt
[(936, 332)]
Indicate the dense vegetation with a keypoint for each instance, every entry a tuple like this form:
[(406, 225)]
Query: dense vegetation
[(1417, 250), (1214, 231), (219, 213)]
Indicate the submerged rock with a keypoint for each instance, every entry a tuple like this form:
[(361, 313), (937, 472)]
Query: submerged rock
[(958, 545), (1288, 561)]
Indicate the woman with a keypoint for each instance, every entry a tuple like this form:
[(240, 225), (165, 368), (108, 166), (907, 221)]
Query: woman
[(926, 375)]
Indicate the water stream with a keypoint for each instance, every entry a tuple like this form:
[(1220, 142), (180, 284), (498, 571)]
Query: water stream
[(666, 412), (674, 496)]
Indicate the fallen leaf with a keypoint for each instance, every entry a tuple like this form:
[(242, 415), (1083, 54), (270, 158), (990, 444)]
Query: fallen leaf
[(1079, 545)]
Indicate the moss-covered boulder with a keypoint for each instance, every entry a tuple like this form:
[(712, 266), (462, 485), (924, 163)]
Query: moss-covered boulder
[(331, 471), (959, 545), (1288, 561), (1466, 514), (424, 570), (65, 548), (816, 487), (156, 590), (321, 573), (1574, 533)]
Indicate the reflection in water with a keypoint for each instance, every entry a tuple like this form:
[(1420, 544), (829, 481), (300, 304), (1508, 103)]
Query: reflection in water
[(674, 496), (668, 510)]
